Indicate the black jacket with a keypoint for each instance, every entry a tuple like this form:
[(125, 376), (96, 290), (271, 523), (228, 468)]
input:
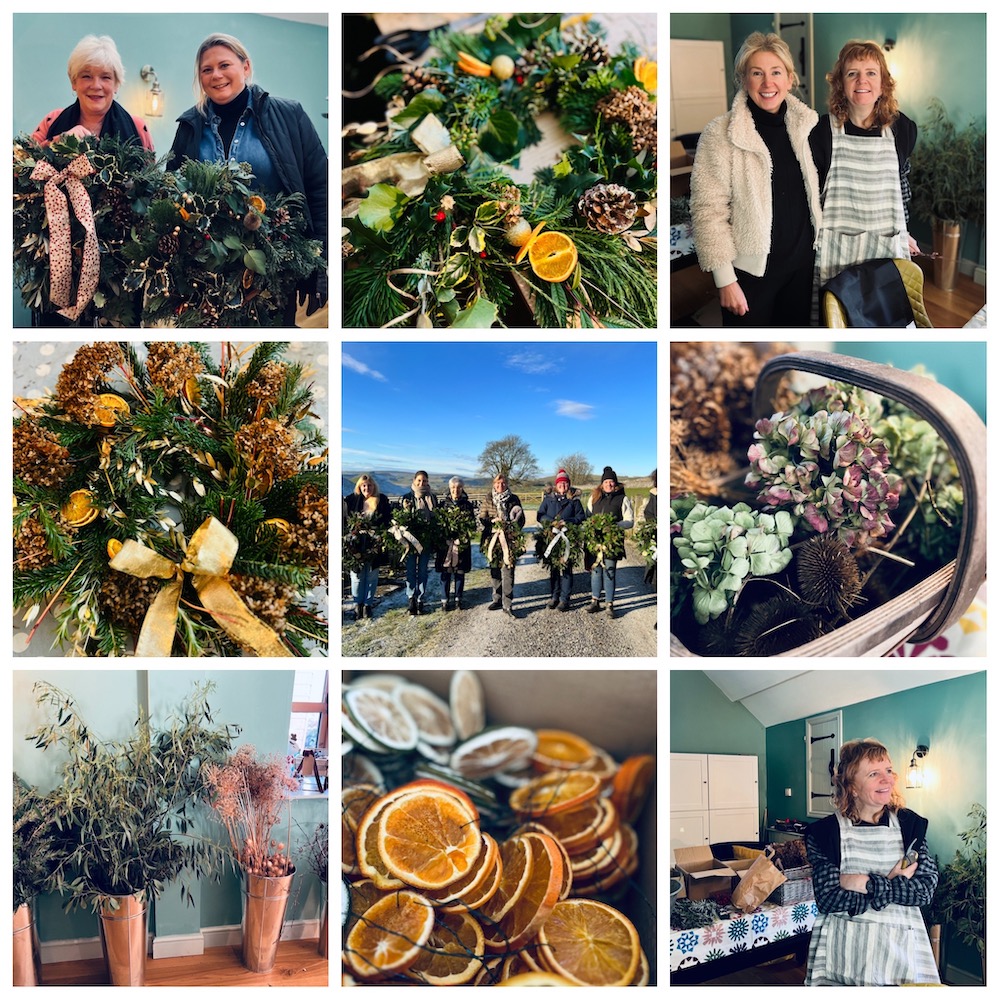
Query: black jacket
[(292, 143), (465, 549), (382, 515)]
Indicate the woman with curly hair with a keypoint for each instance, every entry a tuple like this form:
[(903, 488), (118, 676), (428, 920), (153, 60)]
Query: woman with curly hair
[(862, 149), (871, 874)]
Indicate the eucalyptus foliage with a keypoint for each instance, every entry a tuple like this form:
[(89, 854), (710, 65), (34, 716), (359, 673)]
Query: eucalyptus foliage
[(123, 808)]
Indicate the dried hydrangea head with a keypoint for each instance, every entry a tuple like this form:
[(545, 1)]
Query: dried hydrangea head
[(79, 379), (309, 540), (170, 365), (39, 458), (267, 385), (269, 444)]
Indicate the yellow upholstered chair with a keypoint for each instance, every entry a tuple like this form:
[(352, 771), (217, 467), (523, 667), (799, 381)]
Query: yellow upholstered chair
[(913, 282)]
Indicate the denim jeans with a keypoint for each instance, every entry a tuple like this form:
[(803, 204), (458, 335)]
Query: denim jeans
[(603, 575), (364, 583), (561, 584), (416, 574)]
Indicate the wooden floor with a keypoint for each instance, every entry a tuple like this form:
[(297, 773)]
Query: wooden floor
[(298, 964), (955, 308)]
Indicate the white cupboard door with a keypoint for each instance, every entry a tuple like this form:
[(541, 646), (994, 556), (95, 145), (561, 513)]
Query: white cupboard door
[(733, 824), (732, 781), (688, 829), (688, 782)]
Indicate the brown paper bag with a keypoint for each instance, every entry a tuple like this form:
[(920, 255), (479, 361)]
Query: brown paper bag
[(759, 881)]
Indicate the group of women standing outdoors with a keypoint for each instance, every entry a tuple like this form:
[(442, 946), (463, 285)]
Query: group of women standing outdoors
[(500, 506), (783, 199)]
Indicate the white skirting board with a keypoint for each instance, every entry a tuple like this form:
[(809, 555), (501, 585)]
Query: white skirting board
[(173, 945)]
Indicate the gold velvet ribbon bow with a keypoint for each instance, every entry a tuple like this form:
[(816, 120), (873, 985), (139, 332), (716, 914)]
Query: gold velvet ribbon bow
[(60, 238), (499, 534), (210, 554), (559, 535)]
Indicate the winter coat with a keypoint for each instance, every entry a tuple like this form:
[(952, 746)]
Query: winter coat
[(408, 501), (354, 503), (488, 514), (731, 203), (292, 143), (116, 122), (554, 507), (616, 502), (465, 549)]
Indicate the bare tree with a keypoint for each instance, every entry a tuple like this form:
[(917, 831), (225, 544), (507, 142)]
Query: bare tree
[(511, 457), (577, 467)]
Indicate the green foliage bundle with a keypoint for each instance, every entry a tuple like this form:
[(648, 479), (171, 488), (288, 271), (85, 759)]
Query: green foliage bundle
[(644, 536), (122, 810), (517, 544), (148, 448), (456, 525), (558, 544), (960, 899), (37, 853), (362, 543), (195, 247), (603, 538)]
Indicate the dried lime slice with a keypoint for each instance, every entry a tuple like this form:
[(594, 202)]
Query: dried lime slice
[(345, 902), (468, 707), (497, 749), (357, 735), (382, 717), (431, 714)]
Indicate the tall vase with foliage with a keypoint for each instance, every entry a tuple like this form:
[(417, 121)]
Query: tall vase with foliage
[(123, 809), (948, 178), (960, 900), (317, 853)]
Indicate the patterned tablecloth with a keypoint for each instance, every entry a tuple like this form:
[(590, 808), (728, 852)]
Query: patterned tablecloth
[(967, 637), (740, 932)]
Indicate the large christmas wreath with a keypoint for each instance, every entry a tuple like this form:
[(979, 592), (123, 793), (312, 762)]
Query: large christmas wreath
[(456, 525), (603, 538), (558, 544), (412, 531), (362, 543), (174, 501), (505, 544), (436, 233), (103, 236)]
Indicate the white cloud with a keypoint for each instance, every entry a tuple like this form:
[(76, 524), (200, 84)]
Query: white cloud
[(578, 411), (361, 368), (533, 362)]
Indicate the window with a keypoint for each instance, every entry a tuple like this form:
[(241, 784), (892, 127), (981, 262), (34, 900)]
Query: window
[(309, 722)]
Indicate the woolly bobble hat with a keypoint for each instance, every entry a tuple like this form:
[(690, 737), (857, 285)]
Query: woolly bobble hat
[(562, 477), (609, 473)]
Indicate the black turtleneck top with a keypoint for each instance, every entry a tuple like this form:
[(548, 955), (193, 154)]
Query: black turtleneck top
[(229, 115)]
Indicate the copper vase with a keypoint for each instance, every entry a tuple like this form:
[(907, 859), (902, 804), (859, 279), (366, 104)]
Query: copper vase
[(27, 955), (123, 941), (264, 902), (947, 236), (324, 932)]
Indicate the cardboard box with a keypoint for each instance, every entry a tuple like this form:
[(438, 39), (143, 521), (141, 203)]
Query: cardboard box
[(615, 710), (704, 874)]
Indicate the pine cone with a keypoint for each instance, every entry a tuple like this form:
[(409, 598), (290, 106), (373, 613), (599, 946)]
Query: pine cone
[(125, 599), (608, 208), (168, 245), (32, 548), (595, 52), (121, 208), (416, 79)]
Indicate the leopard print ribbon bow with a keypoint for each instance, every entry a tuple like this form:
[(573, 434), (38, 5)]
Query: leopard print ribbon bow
[(60, 238)]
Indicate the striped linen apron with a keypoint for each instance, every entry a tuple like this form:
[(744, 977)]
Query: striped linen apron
[(878, 947), (863, 216)]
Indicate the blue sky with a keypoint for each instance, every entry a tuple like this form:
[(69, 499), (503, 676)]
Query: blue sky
[(410, 406)]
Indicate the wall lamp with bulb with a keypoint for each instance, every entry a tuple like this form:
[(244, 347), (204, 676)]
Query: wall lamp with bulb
[(154, 97), (915, 772)]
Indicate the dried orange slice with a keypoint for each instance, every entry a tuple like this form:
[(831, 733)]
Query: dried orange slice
[(108, 408), (79, 509), (567, 878), (390, 935), (631, 785), (527, 244), (555, 792), (558, 750), (474, 880), (590, 943), (468, 706), (382, 717), (113, 547), (370, 862), (553, 257), (489, 974), (428, 838), (530, 910), (453, 953), (361, 895), (493, 750), (354, 802), (515, 856), (536, 979), (429, 712)]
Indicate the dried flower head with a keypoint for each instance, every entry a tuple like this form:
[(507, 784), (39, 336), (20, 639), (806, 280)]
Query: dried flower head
[(170, 365), (78, 381), (267, 385), (32, 550), (39, 458), (268, 444), (827, 574), (775, 626)]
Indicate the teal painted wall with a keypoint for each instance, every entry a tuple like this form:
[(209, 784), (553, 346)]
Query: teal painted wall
[(960, 365), (936, 55), (289, 58), (259, 701), (704, 720)]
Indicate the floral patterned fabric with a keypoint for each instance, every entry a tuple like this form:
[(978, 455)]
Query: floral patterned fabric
[(967, 637)]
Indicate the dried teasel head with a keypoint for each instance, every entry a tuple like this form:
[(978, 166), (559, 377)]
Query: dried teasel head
[(828, 574), (775, 626)]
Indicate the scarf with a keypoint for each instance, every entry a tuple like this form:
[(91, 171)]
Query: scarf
[(117, 122), (501, 501)]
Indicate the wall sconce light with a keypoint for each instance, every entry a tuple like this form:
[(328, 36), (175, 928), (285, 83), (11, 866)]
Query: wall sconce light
[(153, 101), (915, 772), (889, 44)]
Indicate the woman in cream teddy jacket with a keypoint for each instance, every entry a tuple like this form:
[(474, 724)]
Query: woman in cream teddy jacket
[(755, 199)]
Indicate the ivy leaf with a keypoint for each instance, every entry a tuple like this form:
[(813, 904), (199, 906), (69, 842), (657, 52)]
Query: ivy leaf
[(481, 315), (255, 261), (563, 167), (382, 207), (500, 136), (425, 103)]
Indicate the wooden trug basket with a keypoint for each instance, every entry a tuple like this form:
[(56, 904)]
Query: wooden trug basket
[(926, 609)]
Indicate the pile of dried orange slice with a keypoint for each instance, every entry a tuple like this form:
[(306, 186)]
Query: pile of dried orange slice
[(490, 860)]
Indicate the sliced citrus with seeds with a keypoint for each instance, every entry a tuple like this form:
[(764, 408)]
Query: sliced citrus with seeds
[(453, 953), (381, 715), (515, 856), (493, 750), (429, 712), (553, 257), (390, 935), (631, 785), (559, 750), (465, 696), (555, 792), (474, 879), (428, 838), (590, 943), (361, 894), (530, 910)]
